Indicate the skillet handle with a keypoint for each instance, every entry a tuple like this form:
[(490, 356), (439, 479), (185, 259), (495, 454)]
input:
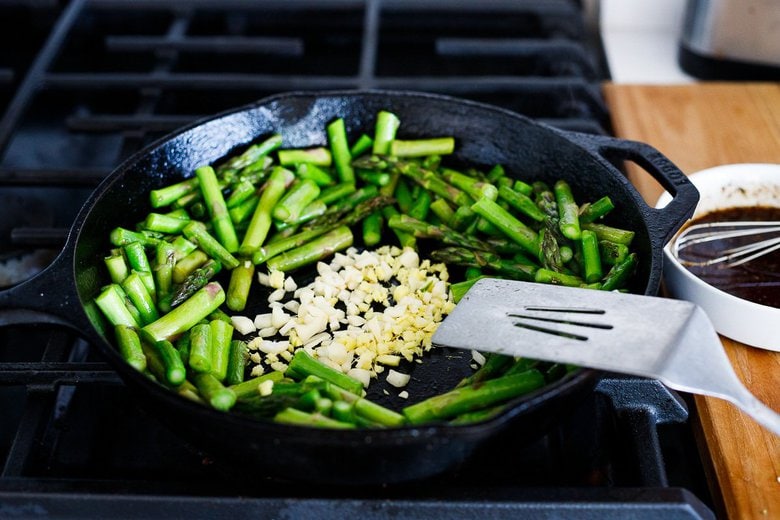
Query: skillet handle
[(685, 196), (47, 298)]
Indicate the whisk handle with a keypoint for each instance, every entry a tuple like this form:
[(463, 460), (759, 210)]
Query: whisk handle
[(667, 220)]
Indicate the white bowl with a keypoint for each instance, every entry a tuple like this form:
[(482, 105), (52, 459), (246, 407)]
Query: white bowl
[(728, 186)]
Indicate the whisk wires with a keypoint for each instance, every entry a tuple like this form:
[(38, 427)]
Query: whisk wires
[(734, 256)]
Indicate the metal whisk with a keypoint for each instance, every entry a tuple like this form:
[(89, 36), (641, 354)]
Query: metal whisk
[(723, 231)]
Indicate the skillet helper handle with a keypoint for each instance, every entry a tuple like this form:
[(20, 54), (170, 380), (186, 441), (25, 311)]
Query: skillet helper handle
[(46, 298), (685, 196)]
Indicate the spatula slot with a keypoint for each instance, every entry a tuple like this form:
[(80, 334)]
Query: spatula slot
[(558, 320), (563, 321), (576, 310), (554, 332)]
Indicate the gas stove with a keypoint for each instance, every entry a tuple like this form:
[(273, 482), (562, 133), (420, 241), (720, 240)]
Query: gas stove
[(91, 82)]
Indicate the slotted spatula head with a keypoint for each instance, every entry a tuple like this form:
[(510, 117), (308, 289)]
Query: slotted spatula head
[(669, 340), (610, 331)]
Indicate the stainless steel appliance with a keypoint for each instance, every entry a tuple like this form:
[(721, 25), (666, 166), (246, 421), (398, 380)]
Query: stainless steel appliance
[(731, 39)]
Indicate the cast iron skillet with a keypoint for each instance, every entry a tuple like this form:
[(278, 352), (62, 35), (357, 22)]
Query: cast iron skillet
[(63, 293)]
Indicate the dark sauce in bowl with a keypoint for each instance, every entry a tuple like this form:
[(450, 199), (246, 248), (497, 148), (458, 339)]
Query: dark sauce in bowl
[(758, 280)]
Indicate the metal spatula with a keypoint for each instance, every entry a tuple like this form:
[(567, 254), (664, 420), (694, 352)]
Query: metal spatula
[(669, 340)]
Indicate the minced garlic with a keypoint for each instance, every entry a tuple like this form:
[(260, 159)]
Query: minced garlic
[(365, 309)]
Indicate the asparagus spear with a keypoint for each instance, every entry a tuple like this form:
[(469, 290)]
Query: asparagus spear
[(473, 186), (236, 362), (591, 258), (336, 192), (373, 177), (521, 202), (196, 280), (319, 248), (495, 173), (590, 212), (254, 153), (612, 253), (618, 276), (472, 258), (316, 420), (135, 252), (442, 209), (433, 183), (403, 196), (167, 195), (165, 260), (221, 336), (473, 397), (421, 206), (404, 239), (319, 156), (217, 208), (337, 139), (421, 229), (241, 192), (189, 200), (314, 173), (183, 348), (362, 407), (276, 247), (568, 211), (290, 206), (240, 283), (372, 228), (261, 219), (238, 214), (190, 312), (523, 187), (249, 388), (187, 265), (363, 144), (200, 348), (494, 365), (422, 147), (613, 234), (196, 231), (303, 364), (111, 302), (164, 223), (550, 250), (554, 277), (386, 126), (136, 290), (508, 224), (213, 391), (459, 289), (181, 248), (463, 218), (117, 267), (130, 347), (164, 359)]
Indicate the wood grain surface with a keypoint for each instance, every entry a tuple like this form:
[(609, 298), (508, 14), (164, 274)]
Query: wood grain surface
[(699, 126)]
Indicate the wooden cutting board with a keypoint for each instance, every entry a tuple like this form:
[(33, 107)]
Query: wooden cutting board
[(699, 126)]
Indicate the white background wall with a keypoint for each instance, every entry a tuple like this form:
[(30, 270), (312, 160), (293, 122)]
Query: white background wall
[(641, 38)]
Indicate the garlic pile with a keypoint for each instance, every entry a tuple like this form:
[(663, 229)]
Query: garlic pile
[(363, 312)]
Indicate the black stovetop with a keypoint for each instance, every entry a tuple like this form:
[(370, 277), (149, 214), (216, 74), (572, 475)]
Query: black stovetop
[(90, 82)]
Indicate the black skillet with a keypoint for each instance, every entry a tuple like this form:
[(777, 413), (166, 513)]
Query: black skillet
[(63, 293)]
